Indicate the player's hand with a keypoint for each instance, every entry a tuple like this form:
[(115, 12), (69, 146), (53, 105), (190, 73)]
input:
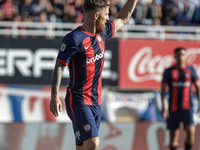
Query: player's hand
[(165, 113), (55, 105), (198, 110)]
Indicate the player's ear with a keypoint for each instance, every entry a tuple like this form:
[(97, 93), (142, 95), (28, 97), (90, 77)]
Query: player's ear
[(96, 15)]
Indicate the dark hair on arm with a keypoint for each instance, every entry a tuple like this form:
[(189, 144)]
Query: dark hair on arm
[(178, 49), (95, 5)]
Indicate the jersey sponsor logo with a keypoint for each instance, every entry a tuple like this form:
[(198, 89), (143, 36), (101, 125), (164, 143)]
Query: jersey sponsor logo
[(63, 47), (97, 57), (87, 127), (181, 84)]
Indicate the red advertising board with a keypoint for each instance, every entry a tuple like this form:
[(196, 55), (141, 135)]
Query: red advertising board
[(142, 62)]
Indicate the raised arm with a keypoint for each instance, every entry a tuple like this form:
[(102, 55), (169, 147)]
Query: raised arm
[(55, 103), (124, 14)]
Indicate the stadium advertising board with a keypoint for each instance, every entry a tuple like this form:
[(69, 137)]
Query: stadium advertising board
[(31, 61), (27, 104), (142, 62), (113, 136)]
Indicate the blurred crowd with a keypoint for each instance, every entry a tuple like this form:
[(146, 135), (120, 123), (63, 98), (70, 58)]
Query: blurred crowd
[(147, 12)]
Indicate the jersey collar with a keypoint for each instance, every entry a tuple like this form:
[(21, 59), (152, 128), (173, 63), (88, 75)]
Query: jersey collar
[(88, 33), (180, 67)]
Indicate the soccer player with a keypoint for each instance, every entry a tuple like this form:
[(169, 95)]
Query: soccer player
[(83, 51), (179, 79)]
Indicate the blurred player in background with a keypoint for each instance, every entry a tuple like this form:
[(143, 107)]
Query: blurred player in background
[(179, 79), (82, 50)]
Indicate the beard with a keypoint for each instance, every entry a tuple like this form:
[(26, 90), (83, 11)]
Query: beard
[(99, 25)]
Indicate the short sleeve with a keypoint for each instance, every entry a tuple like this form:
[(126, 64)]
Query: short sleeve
[(194, 75), (165, 78), (109, 29), (67, 51)]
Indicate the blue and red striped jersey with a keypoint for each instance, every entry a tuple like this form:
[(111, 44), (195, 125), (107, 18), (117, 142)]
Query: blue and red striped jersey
[(180, 82), (83, 53)]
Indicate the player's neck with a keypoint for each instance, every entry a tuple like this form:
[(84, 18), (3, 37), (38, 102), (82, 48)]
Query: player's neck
[(89, 27), (180, 65)]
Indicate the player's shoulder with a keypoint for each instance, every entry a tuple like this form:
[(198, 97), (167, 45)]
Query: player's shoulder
[(108, 25), (76, 32), (75, 36), (168, 69), (190, 68)]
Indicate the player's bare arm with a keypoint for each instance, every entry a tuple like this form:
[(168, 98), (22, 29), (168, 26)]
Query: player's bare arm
[(197, 85), (165, 112), (124, 14), (55, 104)]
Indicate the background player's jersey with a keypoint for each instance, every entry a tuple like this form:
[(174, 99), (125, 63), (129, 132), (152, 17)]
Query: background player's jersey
[(84, 53), (180, 83)]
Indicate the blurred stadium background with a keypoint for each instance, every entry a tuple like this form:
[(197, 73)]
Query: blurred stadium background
[(31, 32)]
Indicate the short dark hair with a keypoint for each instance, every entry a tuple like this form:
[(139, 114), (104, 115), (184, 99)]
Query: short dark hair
[(95, 5), (178, 49)]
